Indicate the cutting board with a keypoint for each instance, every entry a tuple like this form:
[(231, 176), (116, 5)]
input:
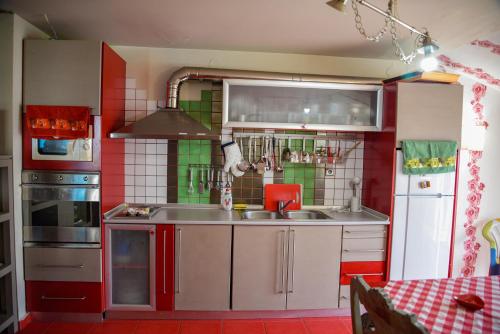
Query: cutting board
[(282, 192)]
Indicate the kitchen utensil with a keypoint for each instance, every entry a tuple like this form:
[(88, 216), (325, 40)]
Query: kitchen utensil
[(210, 182), (306, 157), (190, 175), (254, 158), (201, 184), (243, 165), (344, 155), (279, 165), (470, 302), (218, 184), (261, 164), (287, 152)]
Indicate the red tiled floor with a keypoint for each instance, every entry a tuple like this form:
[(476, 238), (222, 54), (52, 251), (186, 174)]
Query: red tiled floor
[(36, 328), (243, 327), (158, 327), (114, 327), (327, 326), (285, 326), (201, 327), (69, 328)]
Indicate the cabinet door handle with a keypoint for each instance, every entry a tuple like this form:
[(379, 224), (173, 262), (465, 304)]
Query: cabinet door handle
[(291, 260), (179, 240), (364, 232), (364, 250), (364, 274), (282, 262), (63, 298), (69, 266), (164, 261)]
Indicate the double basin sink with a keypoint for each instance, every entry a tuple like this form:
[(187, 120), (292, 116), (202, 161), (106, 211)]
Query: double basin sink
[(296, 215)]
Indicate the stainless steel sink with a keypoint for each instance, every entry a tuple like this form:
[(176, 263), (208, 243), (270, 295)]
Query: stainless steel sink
[(306, 215), (259, 215)]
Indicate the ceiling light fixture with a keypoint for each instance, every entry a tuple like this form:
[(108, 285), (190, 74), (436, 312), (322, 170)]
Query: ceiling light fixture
[(423, 42)]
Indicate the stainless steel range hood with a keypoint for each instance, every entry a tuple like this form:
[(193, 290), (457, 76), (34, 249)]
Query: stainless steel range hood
[(166, 124)]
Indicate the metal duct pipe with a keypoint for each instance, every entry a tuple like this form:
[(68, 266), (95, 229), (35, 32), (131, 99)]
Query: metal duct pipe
[(215, 74)]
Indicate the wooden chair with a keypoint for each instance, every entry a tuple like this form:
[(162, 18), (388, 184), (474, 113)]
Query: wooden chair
[(381, 316)]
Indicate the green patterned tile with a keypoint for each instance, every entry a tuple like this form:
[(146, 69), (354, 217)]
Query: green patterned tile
[(184, 105), (206, 95), (194, 106), (309, 193), (206, 106)]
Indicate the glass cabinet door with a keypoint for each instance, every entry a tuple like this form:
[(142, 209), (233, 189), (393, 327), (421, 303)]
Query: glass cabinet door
[(130, 262), (301, 105)]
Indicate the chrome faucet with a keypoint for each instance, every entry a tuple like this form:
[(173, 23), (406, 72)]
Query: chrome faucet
[(282, 206)]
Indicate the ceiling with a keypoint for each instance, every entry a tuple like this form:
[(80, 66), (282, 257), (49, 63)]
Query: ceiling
[(289, 26)]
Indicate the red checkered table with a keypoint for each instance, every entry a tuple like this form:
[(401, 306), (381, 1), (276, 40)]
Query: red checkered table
[(432, 302)]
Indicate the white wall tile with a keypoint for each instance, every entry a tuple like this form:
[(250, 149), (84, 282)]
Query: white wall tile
[(129, 159), (140, 141), (140, 114), (129, 104), (151, 191), (140, 159), (162, 103), (150, 159), (329, 193), (161, 200), (151, 148), (161, 181), (161, 170), (151, 105), (140, 191), (349, 173), (161, 160), (162, 148), (151, 141), (130, 115), (140, 169), (150, 170), (151, 180), (140, 105), (140, 180), (130, 94), (140, 148), (129, 180), (140, 94), (130, 199), (140, 200), (129, 191), (161, 191), (338, 194), (129, 170), (151, 200), (129, 147)]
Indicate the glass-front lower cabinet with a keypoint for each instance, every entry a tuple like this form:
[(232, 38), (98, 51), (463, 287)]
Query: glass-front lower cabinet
[(130, 267)]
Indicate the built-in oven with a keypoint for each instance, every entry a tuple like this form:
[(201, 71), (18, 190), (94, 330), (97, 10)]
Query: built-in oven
[(61, 209), (62, 149)]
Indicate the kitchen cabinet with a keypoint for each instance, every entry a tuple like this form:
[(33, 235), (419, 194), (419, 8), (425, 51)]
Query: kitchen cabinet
[(202, 267), (164, 267), (302, 105), (62, 72), (130, 267), (283, 267)]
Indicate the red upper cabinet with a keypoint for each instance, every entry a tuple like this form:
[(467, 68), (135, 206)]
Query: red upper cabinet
[(165, 267)]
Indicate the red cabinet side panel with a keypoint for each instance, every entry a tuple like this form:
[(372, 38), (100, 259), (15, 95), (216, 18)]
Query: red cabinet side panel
[(79, 297), (165, 267), (113, 117)]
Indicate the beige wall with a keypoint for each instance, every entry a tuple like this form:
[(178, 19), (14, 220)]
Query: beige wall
[(153, 66), (13, 30)]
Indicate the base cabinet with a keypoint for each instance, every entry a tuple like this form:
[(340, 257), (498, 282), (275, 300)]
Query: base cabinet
[(282, 267), (202, 267)]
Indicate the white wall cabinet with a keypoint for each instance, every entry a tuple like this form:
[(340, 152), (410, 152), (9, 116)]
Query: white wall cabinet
[(202, 267), (301, 105), (282, 267)]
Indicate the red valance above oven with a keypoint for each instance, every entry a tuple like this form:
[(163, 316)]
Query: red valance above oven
[(57, 122)]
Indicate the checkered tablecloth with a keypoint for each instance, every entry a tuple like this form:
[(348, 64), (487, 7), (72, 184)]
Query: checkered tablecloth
[(432, 302)]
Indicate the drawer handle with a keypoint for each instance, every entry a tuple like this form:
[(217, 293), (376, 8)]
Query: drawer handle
[(365, 274), (364, 250), (362, 232), (63, 298), (72, 266)]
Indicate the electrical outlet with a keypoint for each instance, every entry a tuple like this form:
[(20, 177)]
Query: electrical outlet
[(329, 172)]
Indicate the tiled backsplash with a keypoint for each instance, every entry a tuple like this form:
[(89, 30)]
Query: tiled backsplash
[(157, 171)]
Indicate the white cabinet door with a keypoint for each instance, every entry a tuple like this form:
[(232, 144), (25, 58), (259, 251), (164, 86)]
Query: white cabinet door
[(313, 267), (259, 267), (202, 267), (428, 237)]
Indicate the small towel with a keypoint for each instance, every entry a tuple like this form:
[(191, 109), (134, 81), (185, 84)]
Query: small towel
[(429, 157)]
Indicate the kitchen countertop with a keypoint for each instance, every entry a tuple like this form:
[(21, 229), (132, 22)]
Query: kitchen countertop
[(214, 215)]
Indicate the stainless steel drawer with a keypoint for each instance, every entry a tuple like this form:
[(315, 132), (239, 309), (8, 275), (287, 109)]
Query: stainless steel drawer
[(345, 296), (364, 231), (62, 264), (366, 249)]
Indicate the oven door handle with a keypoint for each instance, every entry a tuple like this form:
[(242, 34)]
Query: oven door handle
[(81, 193)]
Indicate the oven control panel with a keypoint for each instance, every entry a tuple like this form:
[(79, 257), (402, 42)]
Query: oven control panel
[(51, 177)]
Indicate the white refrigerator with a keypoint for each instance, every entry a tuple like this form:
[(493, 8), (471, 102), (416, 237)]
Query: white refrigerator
[(422, 224)]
